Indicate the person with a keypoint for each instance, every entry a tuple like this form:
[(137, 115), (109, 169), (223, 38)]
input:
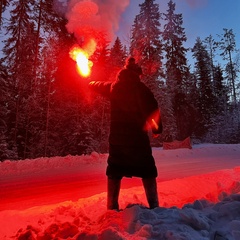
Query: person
[(134, 111)]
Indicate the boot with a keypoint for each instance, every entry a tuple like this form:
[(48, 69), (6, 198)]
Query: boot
[(113, 189), (150, 186)]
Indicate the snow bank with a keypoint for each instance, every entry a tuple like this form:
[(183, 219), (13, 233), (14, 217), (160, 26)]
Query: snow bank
[(87, 219), (194, 207), (212, 209), (40, 166)]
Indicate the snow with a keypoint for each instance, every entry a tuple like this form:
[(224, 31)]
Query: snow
[(65, 198)]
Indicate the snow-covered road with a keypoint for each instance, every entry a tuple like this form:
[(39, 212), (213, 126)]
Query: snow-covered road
[(46, 181)]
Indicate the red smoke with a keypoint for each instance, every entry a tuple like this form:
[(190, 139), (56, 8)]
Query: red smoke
[(197, 3), (89, 18)]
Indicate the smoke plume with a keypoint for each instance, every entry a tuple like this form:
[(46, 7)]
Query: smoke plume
[(87, 19), (197, 3)]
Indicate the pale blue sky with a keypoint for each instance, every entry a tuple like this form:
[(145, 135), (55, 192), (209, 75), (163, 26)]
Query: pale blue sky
[(200, 18)]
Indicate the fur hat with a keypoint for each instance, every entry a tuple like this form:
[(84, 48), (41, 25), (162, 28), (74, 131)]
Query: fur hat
[(131, 64), (130, 61)]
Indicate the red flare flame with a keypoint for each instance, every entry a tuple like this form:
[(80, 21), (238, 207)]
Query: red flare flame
[(81, 57)]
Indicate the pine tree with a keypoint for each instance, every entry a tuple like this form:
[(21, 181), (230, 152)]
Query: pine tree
[(176, 62), (206, 102), (177, 72), (28, 86), (220, 90), (3, 111), (100, 69), (98, 116), (211, 48), (117, 58), (75, 115), (146, 45), (3, 6), (6, 152), (19, 55), (227, 45), (50, 49), (219, 130)]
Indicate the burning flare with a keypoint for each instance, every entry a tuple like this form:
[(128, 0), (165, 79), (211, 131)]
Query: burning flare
[(81, 57)]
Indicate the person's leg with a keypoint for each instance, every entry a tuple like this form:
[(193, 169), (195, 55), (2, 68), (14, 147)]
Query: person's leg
[(113, 189), (150, 187)]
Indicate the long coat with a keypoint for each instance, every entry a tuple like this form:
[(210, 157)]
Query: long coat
[(133, 107)]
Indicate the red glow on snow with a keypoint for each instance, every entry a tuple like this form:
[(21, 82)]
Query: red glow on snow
[(65, 197)]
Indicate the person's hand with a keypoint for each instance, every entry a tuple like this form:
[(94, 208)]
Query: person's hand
[(91, 83), (156, 135)]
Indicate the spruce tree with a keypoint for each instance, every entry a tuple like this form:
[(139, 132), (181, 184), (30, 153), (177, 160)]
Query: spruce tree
[(211, 48), (49, 49), (3, 6), (6, 151), (146, 45), (177, 72), (227, 46), (3, 111), (220, 128), (220, 89), (18, 57), (206, 102), (98, 115), (52, 58), (29, 78), (176, 61), (117, 58)]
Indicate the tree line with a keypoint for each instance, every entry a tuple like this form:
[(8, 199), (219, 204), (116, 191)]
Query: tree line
[(47, 110)]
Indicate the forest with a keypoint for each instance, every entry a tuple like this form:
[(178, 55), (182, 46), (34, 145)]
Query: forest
[(46, 108)]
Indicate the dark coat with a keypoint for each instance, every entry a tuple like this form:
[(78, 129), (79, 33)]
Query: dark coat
[(132, 104)]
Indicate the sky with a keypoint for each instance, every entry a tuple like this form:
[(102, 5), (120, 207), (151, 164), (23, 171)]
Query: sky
[(65, 197), (200, 18)]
